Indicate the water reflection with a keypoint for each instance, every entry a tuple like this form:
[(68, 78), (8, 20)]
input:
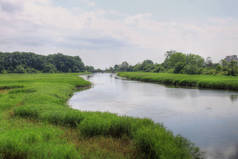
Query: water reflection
[(230, 152), (234, 98), (206, 117)]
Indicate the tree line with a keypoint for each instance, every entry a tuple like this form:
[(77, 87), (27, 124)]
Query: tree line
[(178, 62), (28, 62)]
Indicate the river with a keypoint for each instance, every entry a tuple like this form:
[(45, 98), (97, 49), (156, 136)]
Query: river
[(209, 118)]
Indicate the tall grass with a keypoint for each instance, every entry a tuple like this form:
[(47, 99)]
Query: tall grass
[(183, 80), (33, 96), (35, 144), (47, 104)]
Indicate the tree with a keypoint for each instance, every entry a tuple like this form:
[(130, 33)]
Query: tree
[(173, 59), (124, 66), (179, 67), (89, 69), (158, 68), (138, 67), (233, 68), (148, 68), (49, 68), (20, 69), (65, 63), (193, 59), (116, 68), (169, 53), (1, 65), (218, 68), (192, 69), (31, 62), (208, 62)]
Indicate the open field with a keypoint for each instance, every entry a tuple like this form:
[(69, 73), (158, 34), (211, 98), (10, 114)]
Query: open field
[(36, 122), (183, 80)]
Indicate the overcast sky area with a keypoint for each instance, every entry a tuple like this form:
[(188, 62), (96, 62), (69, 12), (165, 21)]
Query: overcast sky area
[(107, 32)]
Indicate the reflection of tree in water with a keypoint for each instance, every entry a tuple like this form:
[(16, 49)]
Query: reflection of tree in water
[(230, 152), (235, 154), (88, 77), (234, 97), (179, 93)]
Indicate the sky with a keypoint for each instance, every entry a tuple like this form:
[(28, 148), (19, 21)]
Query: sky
[(108, 32)]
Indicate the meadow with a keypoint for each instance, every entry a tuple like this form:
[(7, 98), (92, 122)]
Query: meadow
[(36, 122), (185, 80)]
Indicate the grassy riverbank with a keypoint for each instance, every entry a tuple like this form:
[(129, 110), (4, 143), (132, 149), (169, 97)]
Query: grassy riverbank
[(36, 122), (183, 80)]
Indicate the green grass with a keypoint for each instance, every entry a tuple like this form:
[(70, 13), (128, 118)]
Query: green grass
[(183, 80), (35, 143), (36, 122)]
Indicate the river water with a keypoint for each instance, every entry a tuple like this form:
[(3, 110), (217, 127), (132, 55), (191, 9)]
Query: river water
[(209, 118)]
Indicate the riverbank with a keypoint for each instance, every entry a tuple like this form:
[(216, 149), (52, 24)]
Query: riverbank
[(36, 122), (183, 80)]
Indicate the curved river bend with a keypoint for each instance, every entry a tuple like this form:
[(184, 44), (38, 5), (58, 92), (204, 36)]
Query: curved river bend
[(209, 118)]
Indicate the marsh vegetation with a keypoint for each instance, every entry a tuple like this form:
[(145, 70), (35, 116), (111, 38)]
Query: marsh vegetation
[(183, 80), (36, 122)]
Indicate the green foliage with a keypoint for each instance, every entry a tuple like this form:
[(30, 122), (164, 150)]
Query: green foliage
[(172, 60), (192, 69), (179, 67), (22, 62), (158, 68), (195, 60), (65, 63), (49, 68), (233, 68), (4, 71), (178, 62), (20, 69), (199, 81), (91, 69), (209, 71)]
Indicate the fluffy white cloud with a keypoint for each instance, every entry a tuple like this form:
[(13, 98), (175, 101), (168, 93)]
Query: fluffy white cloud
[(108, 36)]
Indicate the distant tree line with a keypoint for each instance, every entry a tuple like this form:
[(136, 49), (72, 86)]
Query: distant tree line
[(178, 62), (27, 62)]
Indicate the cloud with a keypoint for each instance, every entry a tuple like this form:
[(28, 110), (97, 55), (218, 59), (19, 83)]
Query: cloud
[(89, 3), (9, 6), (42, 26)]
